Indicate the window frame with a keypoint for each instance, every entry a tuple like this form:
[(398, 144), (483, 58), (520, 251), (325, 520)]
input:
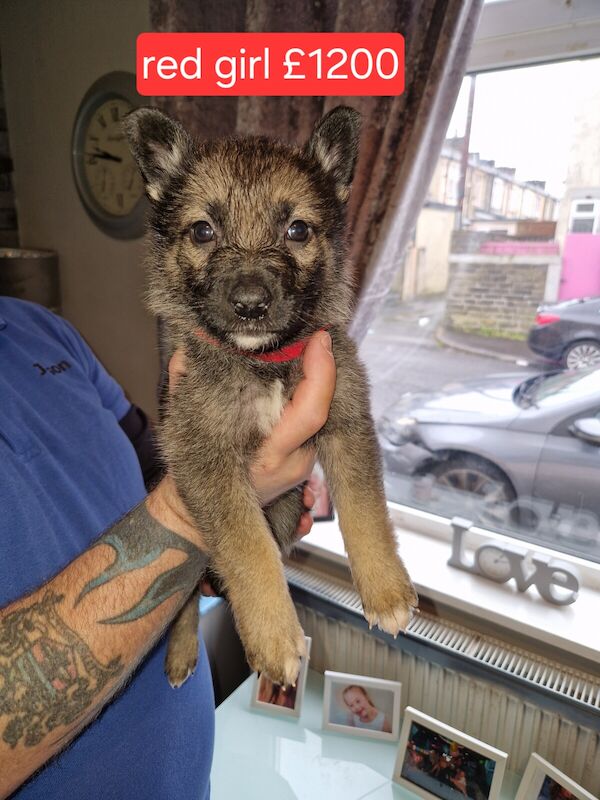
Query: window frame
[(522, 33), (593, 215), (566, 633), (511, 34)]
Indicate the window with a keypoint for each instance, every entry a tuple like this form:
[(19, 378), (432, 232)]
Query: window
[(585, 216), (491, 425), (497, 195)]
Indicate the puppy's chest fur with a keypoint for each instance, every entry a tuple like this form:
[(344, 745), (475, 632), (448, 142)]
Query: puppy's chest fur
[(245, 403), (264, 404)]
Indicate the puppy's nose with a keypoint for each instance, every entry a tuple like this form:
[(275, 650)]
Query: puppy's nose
[(250, 300)]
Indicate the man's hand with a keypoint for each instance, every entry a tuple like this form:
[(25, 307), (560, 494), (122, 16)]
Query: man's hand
[(282, 462)]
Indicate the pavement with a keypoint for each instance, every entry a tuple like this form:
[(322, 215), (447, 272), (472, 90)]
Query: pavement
[(406, 350), (429, 312), (511, 350)]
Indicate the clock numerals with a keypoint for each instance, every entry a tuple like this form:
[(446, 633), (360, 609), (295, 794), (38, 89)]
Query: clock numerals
[(112, 175), (108, 180)]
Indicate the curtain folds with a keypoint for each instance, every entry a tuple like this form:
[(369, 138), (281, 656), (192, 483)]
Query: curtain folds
[(401, 136)]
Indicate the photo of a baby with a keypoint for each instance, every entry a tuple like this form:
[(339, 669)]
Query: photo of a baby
[(363, 711), (361, 705)]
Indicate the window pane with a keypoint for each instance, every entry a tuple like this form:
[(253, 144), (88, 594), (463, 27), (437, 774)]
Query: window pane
[(485, 361), (584, 225)]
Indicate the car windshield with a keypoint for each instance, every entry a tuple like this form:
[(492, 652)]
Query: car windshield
[(553, 388)]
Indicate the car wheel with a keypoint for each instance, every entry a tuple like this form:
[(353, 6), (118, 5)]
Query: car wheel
[(485, 489), (582, 354)]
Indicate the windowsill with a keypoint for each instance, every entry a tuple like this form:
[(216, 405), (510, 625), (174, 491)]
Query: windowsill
[(572, 630)]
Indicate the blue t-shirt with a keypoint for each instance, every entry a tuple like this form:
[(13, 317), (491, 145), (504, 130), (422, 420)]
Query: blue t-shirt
[(67, 472)]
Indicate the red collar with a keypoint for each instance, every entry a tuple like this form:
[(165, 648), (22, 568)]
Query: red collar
[(288, 353)]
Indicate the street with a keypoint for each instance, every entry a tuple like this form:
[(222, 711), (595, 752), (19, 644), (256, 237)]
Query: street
[(402, 354)]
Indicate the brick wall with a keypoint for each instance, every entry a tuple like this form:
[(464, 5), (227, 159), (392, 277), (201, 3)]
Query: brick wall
[(494, 297), (468, 241)]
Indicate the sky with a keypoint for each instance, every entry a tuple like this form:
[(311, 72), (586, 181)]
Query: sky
[(524, 117)]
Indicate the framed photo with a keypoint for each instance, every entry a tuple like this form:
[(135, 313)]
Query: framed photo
[(542, 781), (283, 701), (361, 706), (438, 761)]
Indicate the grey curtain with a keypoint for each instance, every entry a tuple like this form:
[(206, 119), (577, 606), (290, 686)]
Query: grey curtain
[(401, 137)]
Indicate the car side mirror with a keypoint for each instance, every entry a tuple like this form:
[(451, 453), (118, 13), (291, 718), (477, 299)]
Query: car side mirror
[(587, 429)]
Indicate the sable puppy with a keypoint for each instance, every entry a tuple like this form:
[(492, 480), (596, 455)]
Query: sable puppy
[(247, 257)]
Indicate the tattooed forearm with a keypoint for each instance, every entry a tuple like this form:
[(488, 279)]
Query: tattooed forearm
[(68, 647), (48, 675), (138, 541)]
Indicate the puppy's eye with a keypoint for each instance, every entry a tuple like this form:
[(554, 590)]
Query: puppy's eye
[(201, 232), (298, 231)]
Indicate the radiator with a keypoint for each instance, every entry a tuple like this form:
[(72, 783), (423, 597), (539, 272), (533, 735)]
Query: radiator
[(483, 709)]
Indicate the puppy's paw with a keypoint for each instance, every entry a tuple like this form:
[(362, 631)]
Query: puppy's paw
[(390, 601), (181, 660), (278, 650)]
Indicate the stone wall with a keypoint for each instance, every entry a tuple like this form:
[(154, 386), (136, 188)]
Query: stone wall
[(495, 295), (496, 282)]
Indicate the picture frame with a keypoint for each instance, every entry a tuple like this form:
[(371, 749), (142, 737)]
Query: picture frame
[(357, 705), (322, 510), (436, 761), (272, 698), (542, 779)]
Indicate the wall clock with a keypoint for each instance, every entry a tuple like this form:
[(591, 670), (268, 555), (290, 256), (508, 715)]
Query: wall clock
[(108, 181)]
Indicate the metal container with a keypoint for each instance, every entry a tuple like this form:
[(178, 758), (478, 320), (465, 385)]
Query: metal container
[(30, 275)]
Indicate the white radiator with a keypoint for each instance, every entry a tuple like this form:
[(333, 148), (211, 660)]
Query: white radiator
[(480, 708)]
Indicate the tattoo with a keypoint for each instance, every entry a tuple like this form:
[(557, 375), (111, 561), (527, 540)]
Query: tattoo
[(138, 540), (48, 675)]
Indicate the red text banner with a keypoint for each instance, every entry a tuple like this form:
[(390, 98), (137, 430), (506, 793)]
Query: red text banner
[(339, 64)]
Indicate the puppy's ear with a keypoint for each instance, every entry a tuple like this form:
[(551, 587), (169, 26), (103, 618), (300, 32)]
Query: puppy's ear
[(334, 144), (159, 145)]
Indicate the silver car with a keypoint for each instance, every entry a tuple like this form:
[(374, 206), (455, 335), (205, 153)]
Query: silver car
[(506, 451)]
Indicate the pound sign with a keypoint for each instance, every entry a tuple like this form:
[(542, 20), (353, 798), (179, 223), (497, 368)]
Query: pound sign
[(291, 64)]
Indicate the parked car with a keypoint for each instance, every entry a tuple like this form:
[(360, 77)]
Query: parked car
[(518, 450), (568, 333)]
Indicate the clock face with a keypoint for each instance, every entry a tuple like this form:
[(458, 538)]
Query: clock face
[(494, 563), (110, 171), (108, 181)]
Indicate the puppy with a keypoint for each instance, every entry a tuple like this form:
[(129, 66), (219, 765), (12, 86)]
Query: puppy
[(247, 260)]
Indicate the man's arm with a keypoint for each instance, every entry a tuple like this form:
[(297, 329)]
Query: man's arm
[(68, 647)]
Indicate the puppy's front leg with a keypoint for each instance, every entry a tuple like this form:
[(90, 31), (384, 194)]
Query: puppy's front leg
[(247, 559), (182, 648), (350, 458)]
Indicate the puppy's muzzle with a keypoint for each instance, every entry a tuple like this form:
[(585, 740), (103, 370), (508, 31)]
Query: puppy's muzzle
[(250, 299)]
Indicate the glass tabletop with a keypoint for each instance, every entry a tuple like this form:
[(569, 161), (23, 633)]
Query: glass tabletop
[(260, 756)]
